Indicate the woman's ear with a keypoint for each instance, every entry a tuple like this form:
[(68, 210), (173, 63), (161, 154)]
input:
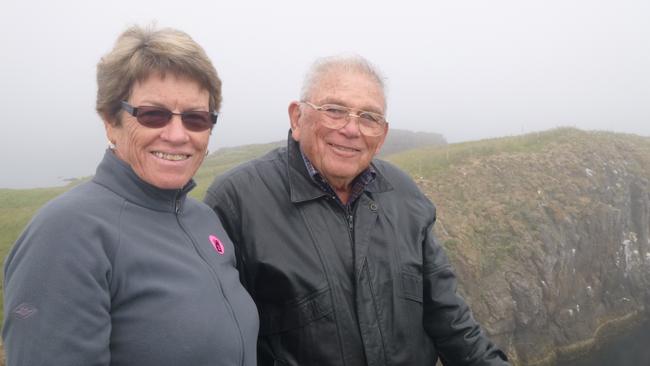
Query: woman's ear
[(110, 125)]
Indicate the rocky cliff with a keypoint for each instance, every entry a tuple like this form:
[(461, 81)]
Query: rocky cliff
[(549, 234)]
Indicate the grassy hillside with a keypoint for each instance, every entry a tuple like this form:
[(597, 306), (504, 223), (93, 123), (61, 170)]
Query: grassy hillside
[(496, 198), (224, 159), (477, 184)]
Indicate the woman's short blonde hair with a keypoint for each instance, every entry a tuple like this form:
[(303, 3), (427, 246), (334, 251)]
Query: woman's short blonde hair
[(140, 52)]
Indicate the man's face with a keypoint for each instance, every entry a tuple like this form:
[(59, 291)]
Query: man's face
[(339, 155)]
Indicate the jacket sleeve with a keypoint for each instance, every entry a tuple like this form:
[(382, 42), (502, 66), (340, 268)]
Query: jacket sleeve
[(56, 296), (447, 318)]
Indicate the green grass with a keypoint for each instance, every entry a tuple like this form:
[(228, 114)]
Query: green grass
[(429, 161), (17, 206), (487, 191), (223, 160)]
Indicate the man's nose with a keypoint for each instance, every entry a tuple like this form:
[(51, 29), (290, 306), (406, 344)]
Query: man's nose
[(352, 127)]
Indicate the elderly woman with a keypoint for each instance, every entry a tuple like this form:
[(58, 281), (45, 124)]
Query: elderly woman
[(126, 269)]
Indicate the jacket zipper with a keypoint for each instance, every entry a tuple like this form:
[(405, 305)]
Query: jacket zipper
[(347, 215), (177, 209)]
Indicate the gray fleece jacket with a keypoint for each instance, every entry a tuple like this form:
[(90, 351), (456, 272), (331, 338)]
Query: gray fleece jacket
[(118, 272)]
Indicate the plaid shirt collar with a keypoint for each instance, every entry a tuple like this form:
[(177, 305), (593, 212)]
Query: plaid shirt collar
[(358, 185)]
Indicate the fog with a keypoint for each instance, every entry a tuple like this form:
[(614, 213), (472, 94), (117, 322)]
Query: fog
[(466, 69)]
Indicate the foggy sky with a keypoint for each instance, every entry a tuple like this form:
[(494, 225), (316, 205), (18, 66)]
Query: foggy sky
[(466, 69)]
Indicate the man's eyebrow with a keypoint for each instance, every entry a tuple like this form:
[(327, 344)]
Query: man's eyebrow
[(330, 100)]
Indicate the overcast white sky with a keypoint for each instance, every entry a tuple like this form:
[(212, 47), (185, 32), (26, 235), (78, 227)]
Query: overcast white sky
[(466, 69)]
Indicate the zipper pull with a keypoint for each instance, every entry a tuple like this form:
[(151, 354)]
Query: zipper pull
[(177, 203)]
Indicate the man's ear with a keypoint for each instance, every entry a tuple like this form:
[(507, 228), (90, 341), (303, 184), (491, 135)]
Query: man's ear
[(294, 117)]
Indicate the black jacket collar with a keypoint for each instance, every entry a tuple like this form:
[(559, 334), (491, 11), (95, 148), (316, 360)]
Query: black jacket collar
[(302, 187)]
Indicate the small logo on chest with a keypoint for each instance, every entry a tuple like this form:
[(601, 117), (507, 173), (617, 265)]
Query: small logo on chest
[(216, 244), (24, 311)]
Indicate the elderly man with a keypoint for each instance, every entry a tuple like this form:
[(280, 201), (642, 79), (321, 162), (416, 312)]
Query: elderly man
[(336, 248)]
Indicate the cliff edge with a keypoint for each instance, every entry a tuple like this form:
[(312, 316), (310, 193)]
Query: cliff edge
[(549, 235)]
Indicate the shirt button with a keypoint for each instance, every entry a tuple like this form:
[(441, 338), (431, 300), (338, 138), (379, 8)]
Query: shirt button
[(373, 206)]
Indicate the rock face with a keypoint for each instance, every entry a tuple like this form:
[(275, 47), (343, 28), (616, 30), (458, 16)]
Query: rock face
[(549, 235)]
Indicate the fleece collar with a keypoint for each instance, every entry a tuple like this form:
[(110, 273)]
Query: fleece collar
[(118, 176)]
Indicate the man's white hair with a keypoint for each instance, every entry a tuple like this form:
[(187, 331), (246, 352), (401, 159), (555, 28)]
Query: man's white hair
[(340, 63)]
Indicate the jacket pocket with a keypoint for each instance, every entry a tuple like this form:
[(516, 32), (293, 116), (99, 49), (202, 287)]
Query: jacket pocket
[(412, 286), (277, 318)]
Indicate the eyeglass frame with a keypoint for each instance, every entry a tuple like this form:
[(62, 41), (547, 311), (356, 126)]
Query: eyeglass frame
[(133, 111), (382, 123)]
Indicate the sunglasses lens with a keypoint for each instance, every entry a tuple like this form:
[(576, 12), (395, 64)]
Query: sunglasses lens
[(153, 117), (197, 121)]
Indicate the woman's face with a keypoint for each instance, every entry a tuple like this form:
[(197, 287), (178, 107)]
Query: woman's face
[(166, 157)]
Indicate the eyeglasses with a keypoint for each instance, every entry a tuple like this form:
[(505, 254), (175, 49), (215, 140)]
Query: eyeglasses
[(370, 123), (156, 117)]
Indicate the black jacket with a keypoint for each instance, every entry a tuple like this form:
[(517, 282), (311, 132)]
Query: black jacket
[(371, 288)]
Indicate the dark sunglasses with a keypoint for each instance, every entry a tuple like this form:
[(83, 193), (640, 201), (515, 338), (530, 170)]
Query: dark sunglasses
[(156, 117)]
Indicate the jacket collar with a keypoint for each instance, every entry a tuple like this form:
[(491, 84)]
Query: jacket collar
[(118, 176), (302, 187)]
